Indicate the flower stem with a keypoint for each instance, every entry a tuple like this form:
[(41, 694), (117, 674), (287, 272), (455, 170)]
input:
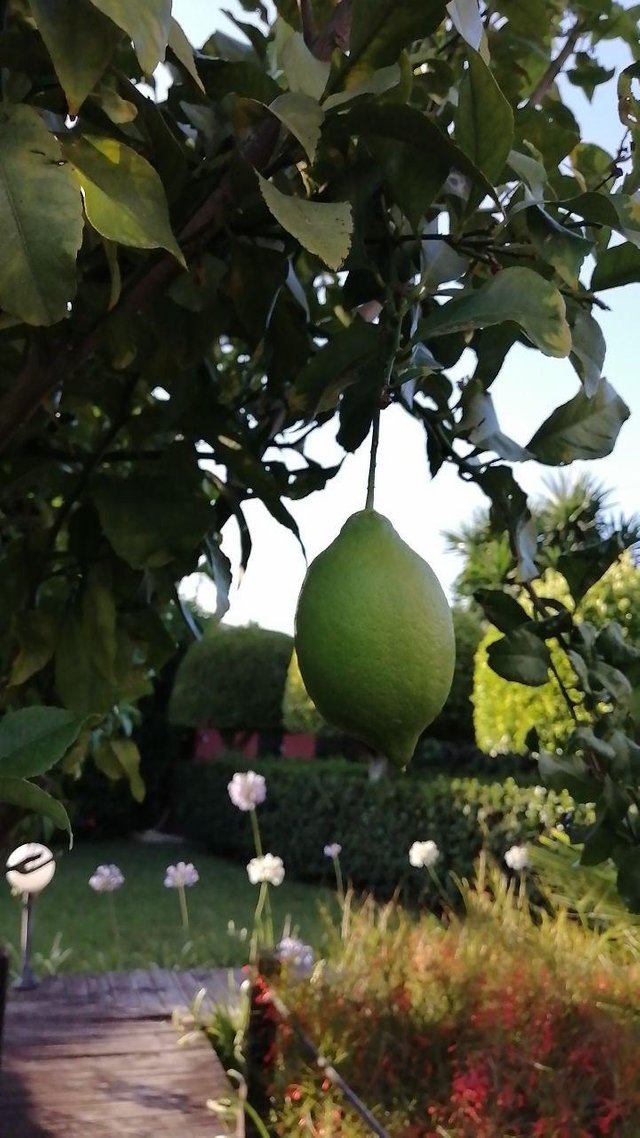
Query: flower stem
[(339, 881), (375, 438), (184, 908), (115, 929), (256, 832)]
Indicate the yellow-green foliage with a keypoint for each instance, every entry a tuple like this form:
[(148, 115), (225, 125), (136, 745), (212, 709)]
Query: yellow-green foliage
[(299, 712), (505, 711)]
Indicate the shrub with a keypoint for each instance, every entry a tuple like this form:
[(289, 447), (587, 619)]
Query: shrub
[(455, 721), (507, 1023), (505, 711), (309, 805), (233, 679)]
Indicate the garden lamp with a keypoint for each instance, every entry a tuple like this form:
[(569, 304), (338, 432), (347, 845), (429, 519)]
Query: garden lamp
[(29, 870)]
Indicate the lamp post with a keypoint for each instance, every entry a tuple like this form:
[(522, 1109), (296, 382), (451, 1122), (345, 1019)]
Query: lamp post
[(29, 870)]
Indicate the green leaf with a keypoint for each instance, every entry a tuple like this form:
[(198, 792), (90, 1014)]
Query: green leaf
[(146, 23), (381, 29), (334, 367), (128, 758), (34, 739), (615, 211), (501, 609), (581, 568), (305, 73), (570, 773), (124, 198), (514, 294), (375, 84), (418, 156), (588, 350), (36, 633), (484, 119), (80, 683), (19, 792), (520, 657), (479, 424), (254, 475), (303, 117), (583, 428), (39, 246), (628, 880), (158, 518), (324, 228), (183, 51), (617, 266), (611, 680), (557, 245), (80, 42)]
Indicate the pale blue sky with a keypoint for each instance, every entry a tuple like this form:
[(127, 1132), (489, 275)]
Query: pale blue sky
[(528, 388)]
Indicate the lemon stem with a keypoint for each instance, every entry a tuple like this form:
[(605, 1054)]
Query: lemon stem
[(371, 483)]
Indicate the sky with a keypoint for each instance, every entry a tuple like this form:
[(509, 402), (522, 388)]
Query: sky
[(528, 388)]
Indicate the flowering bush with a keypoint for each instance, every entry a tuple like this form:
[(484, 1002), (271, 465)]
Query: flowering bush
[(509, 1023)]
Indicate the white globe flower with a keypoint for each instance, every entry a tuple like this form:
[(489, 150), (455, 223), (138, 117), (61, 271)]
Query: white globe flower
[(268, 868), (247, 790), (106, 879), (333, 851), (422, 855), (184, 873), (517, 858)]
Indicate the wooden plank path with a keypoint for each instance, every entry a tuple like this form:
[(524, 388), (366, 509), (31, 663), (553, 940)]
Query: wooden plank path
[(96, 1056)]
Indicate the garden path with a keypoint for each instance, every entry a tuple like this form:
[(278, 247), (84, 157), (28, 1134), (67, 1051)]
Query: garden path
[(97, 1055)]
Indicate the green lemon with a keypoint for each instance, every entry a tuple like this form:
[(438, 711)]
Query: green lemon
[(374, 637)]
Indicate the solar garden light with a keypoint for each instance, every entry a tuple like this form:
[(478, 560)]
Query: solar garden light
[(29, 870)]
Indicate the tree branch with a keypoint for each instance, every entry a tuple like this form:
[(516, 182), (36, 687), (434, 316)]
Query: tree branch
[(555, 67)]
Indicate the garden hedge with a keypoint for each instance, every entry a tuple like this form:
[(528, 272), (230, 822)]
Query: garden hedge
[(309, 805)]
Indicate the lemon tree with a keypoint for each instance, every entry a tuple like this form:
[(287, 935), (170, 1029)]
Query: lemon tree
[(268, 244)]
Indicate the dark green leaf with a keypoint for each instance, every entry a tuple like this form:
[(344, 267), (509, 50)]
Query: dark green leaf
[(80, 683), (583, 428), (501, 609), (146, 23), (557, 245), (80, 42), (39, 246), (484, 119), (380, 29), (520, 657), (617, 266), (516, 294), (19, 792), (588, 349), (581, 568), (570, 773), (334, 367), (302, 116), (34, 739)]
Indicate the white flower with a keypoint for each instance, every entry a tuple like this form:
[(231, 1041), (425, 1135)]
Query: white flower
[(540, 791), (268, 868), (517, 858), (184, 873), (333, 851), (247, 790), (106, 879), (422, 855)]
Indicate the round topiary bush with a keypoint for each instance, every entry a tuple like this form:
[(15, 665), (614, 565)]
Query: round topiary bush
[(233, 679)]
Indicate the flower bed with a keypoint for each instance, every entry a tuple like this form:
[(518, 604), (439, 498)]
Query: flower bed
[(504, 1025)]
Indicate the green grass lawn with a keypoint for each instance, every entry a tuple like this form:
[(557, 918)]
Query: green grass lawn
[(148, 913)]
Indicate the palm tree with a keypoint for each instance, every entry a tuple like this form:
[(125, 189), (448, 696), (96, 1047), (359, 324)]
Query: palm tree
[(574, 514)]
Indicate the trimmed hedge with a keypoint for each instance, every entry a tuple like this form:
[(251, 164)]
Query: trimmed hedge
[(309, 805)]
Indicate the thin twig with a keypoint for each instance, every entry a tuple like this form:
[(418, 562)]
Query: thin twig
[(371, 481), (545, 84)]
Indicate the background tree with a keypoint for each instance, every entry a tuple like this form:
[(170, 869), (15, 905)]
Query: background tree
[(197, 277)]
